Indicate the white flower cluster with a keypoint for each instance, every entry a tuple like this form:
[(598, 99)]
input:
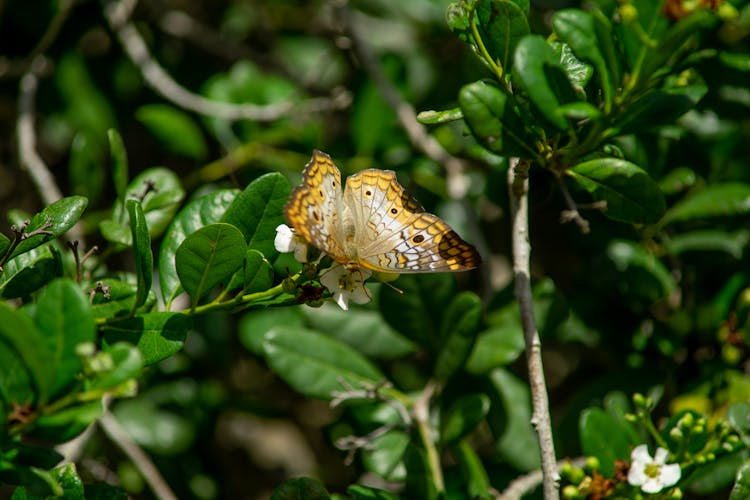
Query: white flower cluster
[(345, 284)]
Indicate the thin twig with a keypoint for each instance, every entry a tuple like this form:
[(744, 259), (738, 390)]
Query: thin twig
[(118, 17), (518, 184), (140, 459), (407, 116), (421, 412), (572, 213)]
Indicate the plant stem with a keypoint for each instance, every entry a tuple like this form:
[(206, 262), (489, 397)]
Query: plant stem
[(421, 414), (518, 184)]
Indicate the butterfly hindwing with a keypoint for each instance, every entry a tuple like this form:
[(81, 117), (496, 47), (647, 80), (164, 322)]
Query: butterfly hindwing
[(314, 208), (393, 233)]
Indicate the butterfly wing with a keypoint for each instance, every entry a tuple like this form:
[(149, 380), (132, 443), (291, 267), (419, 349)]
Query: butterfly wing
[(393, 233), (314, 208)]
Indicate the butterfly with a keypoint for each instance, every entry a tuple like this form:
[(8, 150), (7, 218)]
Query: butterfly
[(374, 224)]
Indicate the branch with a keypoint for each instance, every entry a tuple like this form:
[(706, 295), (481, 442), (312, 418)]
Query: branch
[(118, 12), (407, 117), (518, 184), (140, 459)]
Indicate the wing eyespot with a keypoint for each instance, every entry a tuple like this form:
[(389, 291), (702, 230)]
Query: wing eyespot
[(394, 211), (418, 238), (316, 216), (368, 193)]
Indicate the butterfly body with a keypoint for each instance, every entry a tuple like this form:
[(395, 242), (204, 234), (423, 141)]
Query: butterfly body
[(374, 224)]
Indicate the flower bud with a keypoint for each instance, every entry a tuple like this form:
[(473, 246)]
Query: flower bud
[(570, 492), (592, 463)]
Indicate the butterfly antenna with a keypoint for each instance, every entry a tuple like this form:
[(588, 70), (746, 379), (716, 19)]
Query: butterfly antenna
[(397, 290)]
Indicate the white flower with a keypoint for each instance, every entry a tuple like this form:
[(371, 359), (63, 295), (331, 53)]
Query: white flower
[(286, 241), (652, 474), (346, 284)]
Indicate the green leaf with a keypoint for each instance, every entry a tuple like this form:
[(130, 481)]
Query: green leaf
[(510, 420), (501, 25), (314, 364), (538, 71), (579, 31), (693, 441), (30, 271), (457, 17), (19, 348), (71, 483), (144, 259), (478, 485), (579, 73), (630, 193), (255, 324), (127, 364), (32, 455), (4, 244), (677, 180), (497, 346), (85, 171), (121, 299), (717, 200), (494, 121), (384, 456), (196, 214), (738, 415), (629, 257), (715, 476), (65, 424), (119, 156), (741, 488), (208, 257), (65, 319), (360, 492), (733, 244), (419, 478), (157, 335), (464, 416), (658, 108), (416, 313), (258, 272), (37, 483), (299, 488), (257, 211), (174, 129), (165, 432), (603, 438), (432, 117), (458, 333), (364, 330), (57, 218)]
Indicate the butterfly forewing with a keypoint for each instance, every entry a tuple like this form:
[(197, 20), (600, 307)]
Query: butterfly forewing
[(315, 207), (394, 234)]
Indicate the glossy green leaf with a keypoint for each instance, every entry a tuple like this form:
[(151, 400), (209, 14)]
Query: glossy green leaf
[(501, 25), (30, 271), (37, 483), (630, 193), (458, 333), (579, 73), (497, 346), (20, 342), (258, 273), (57, 218), (65, 424), (741, 489), (160, 191), (87, 177), (144, 259), (478, 486), (417, 312), (715, 476), (71, 483), (579, 31), (457, 17), (119, 156), (174, 129), (385, 455), (538, 71), (4, 244), (738, 415), (493, 121), (257, 211), (315, 365), (364, 330), (205, 210), (255, 324), (660, 107), (299, 488), (209, 257), (677, 180), (33, 455), (510, 420), (733, 244), (165, 432), (127, 364), (464, 416), (602, 437), (360, 492), (629, 257), (432, 117), (65, 318), (717, 200), (157, 335), (419, 478)]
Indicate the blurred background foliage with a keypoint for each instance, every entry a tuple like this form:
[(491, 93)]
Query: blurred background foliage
[(615, 316)]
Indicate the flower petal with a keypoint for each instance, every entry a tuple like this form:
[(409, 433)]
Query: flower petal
[(653, 485), (284, 240), (637, 474), (669, 474), (660, 457), (640, 454)]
